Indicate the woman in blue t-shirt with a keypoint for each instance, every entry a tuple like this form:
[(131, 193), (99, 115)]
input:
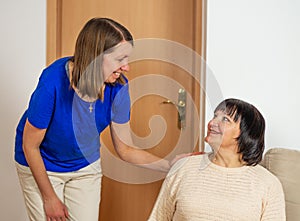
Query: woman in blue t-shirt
[(57, 148)]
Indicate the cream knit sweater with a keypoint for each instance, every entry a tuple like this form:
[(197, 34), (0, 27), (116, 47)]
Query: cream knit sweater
[(197, 190)]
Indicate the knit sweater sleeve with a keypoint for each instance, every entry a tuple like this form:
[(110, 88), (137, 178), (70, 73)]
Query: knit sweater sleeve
[(165, 204), (274, 204)]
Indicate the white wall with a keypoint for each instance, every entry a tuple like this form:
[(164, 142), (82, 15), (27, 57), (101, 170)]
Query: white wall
[(253, 50), (22, 56)]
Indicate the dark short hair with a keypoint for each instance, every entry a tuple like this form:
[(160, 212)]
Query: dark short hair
[(251, 141)]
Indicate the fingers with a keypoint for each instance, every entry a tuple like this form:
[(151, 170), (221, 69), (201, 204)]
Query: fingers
[(63, 217), (66, 213), (57, 219), (55, 210)]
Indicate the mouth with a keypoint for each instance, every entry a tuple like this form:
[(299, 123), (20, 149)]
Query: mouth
[(214, 132)]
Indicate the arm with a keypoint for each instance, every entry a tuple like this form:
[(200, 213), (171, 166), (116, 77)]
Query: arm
[(32, 139), (165, 205), (121, 138), (274, 205)]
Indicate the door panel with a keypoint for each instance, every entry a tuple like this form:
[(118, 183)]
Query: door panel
[(129, 192)]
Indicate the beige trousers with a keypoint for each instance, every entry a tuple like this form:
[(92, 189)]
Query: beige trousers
[(79, 190)]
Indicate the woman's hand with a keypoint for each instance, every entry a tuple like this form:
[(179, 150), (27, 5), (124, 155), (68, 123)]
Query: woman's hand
[(32, 137), (55, 210)]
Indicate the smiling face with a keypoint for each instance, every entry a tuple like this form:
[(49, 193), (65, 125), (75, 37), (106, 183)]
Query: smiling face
[(115, 61), (223, 131)]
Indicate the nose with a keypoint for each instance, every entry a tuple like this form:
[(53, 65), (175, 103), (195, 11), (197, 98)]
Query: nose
[(125, 67), (213, 123)]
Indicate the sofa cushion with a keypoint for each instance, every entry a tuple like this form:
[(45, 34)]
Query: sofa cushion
[(285, 164)]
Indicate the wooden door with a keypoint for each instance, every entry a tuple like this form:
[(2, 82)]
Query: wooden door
[(169, 40)]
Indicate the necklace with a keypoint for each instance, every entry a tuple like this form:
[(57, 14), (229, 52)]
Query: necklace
[(91, 108), (85, 98)]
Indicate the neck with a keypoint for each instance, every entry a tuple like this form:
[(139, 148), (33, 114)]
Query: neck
[(85, 97), (227, 159)]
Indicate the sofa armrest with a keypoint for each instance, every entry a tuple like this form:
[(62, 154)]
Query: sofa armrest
[(285, 164)]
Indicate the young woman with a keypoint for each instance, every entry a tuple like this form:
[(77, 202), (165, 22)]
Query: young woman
[(227, 184), (57, 149)]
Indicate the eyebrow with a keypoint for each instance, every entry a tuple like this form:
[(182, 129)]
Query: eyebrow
[(122, 57)]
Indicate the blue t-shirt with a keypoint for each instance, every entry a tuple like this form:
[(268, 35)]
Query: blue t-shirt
[(72, 139)]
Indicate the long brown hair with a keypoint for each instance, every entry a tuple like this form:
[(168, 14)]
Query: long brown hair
[(97, 36)]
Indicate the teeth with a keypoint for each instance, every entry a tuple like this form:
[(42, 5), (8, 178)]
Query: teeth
[(117, 73)]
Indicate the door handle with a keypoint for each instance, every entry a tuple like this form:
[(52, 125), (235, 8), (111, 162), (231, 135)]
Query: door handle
[(181, 108)]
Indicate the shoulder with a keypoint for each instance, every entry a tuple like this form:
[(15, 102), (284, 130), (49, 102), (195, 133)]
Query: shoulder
[(54, 70), (59, 63), (267, 178), (188, 163), (54, 77), (263, 173)]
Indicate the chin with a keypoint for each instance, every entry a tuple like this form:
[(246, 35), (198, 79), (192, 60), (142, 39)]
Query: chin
[(207, 139), (111, 80)]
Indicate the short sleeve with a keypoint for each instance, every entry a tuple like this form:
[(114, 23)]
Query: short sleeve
[(41, 107), (120, 112)]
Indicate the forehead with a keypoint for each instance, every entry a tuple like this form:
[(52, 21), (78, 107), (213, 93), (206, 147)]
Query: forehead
[(230, 109), (230, 114), (123, 48)]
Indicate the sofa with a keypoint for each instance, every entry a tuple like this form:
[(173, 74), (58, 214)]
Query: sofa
[(285, 164)]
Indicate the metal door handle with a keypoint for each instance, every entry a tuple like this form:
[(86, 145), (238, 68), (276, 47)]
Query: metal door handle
[(181, 107)]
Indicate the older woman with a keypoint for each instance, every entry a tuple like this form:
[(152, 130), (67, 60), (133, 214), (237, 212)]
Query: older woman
[(227, 184)]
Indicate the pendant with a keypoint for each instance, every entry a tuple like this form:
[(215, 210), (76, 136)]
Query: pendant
[(91, 107)]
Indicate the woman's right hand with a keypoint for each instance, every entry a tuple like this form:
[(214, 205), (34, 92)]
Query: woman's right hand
[(55, 210), (32, 137)]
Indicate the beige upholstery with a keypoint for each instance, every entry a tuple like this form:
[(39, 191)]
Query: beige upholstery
[(285, 164)]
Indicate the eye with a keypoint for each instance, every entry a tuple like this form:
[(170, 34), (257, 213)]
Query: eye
[(226, 119), (122, 58)]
